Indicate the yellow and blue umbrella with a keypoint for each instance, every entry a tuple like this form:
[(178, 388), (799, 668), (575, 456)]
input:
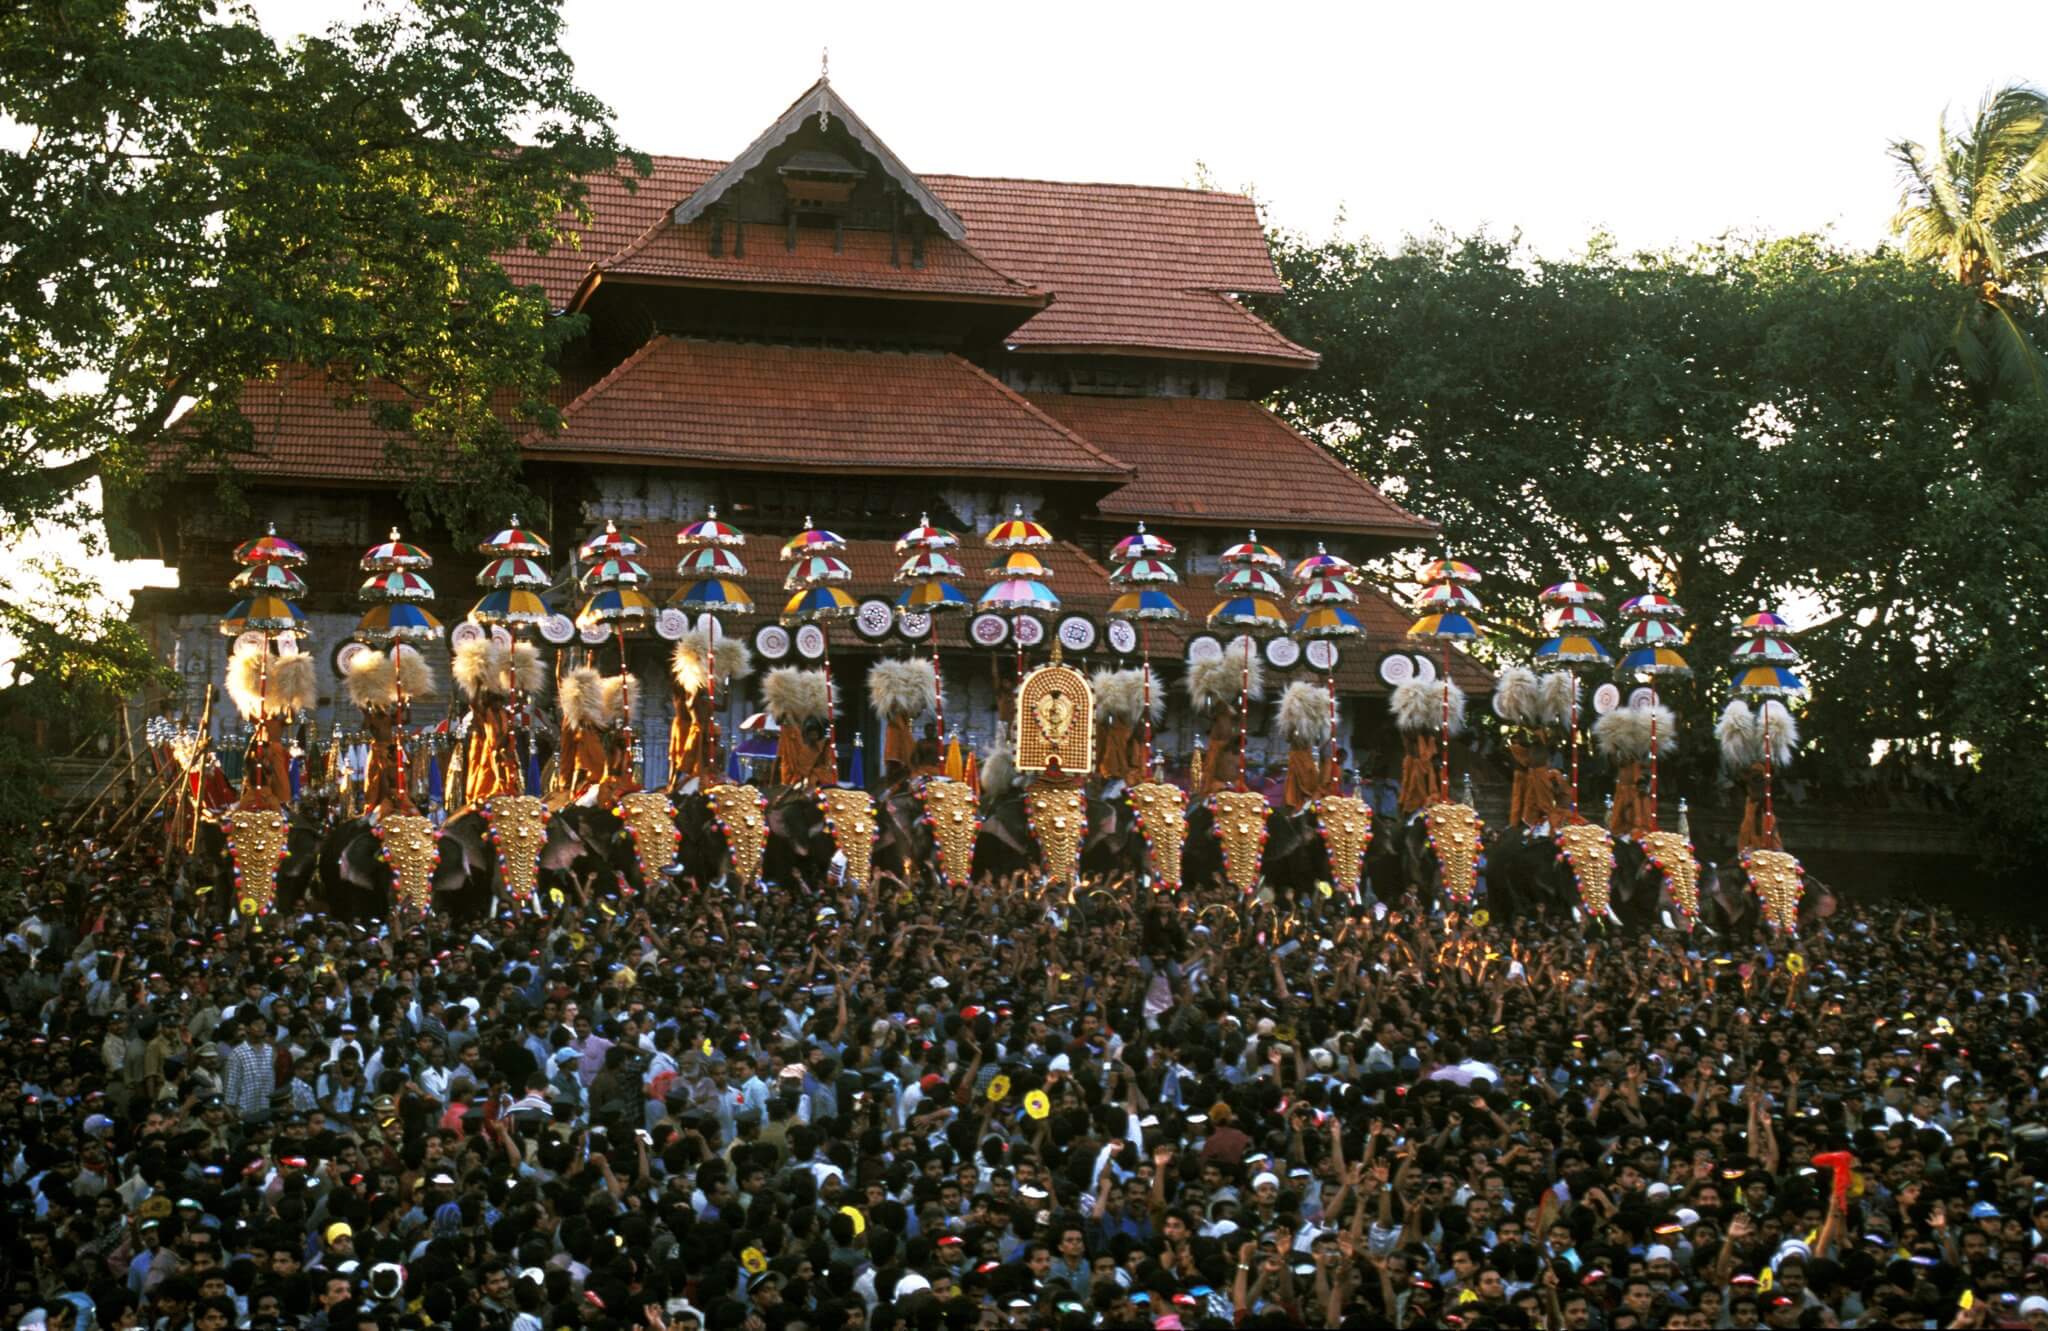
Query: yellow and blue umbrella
[(1138, 571), (1147, 603), (1651, 605), (1323, 564), (515, 540), (266, 614), (1019, 564), (269, 580), (1651, 633), (933, 597), (269, 548), (1248, 553), (1327, 621), (616, 571), (712, 561), (514, 571), (924, 536), (1020, 595), (397, 585), (624, 608), (1653, 661), (1141, 544), (1765, 651), (1763, 621), (929, 564), (1570, 593), (1767, 681), (708, 530), (811, 570), (1448, 625), (510, 605), (714, 595), (610, 543), (1248, 580), (1325, 589), (815, 604), (1574, 619), (1573, 649), (1446, 597), (1248, 612), (395, 553), (1448, 569), (397, 621), (1017, 532), (812, 540)]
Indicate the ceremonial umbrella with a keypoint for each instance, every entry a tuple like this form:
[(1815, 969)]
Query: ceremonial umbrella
[(1248, 553), (1574, 645), (515, 540), (616, 571), (929, 564), (1765, 651), (708, 530), (1325, 589), (1017, 532), (1322, 564), (1253, 614), (1020, 595), (609, 544), (395, 553), (1020, 564), (1248, 580), (1574, 619), (1442, 597), (514, 571), (265, 614), (397, 585), (269, 548), (812, 540), (514, 607), (269, 580), (1651, 633), (1143, 571), (625, 609), (1141, 544), (397, 621), (924, 536), (1322, 599), (812, 569), (720, 596), (1143, 567), (819, 604), (1765, 679), (711, 561), (930, 594), (1444, 618)]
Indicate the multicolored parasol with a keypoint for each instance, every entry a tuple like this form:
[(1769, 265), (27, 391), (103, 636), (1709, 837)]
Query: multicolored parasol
[(934, 597), (1326, 589), (1017, 532), (929, 564), (1447, 569), (810, 570), (1141, 544), (720, 596), (616, 571), (711, 561), (1249, 580), (611, 543), (395, 553), (511, 606), (1019, 564), (818, 604), (264, 614), (924, 536), (1442, 597), (1323, 564), (1254, 613), (1767, 681), (625, 609), (1570, 593), (1020, 595), (1446, 605), (708, 530), (514, 571), (1450, 627), (1652, 661), (812, 540), (397, 621), (1327, 621), (269, 580), (1249, 553), (1651, 605), (1764, 621), (515, 540), (1147, 603), (1574, 619), (1143, 571), (1573, 649), (1651, 633), (397, 585), (1764, 651), (269, 548)]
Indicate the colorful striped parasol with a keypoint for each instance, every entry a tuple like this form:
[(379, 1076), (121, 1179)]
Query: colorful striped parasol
[(1147, 603), (814, 605), (1651, 605), (929, 564), (1764, 621), (812, 569), (515, 540), (397, 585), (1141, 544), (511, 606), (269, 580), (708, 530), (1451, 627), (1143, 571), (1327, 621), (1323, 564), (714, 595), (1249, 580), (514, 571), (1326, 589), (1767, 681), (395, 553), (1440, 597), (924, 536), (397, 621), (1448, 569), (265, 614), (1019, 564), (616, 571), (269, 548), (1017, 532), (611, 543), (1574, 619), (711, 561), (1570, 593), (1573, 649), (1020, 595), (1764, 651), (1254, 613), (812, 540), (933, 597), (1248, 553), (1651, 633), (625, 609)]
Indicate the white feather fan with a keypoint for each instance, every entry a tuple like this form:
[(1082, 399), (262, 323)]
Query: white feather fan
[(581, 696), (1517, 697), (1741, 740), (1216, 681), (1419, 707), (735, 661), (372, 681), (1623, 735), (621, 700), (1557, 691), (1120, 696), (1304, 714), (793, 696), (479, 667), (902, 687)]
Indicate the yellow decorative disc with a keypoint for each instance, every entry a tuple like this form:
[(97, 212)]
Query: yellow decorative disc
[(999, 1088), (1036, 1104)]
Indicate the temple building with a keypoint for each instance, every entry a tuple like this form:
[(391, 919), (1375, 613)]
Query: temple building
[(812, 330)]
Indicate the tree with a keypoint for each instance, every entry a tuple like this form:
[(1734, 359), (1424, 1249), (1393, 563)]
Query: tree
[(194, 205), (1747, 419), (1976, 205)]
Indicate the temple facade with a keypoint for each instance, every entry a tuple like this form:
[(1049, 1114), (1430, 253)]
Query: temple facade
[(812, 331)]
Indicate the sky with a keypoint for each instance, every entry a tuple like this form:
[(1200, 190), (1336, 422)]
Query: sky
[(1660, 124)]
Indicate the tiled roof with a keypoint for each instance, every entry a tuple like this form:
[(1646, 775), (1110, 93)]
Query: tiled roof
[(863, 261), (1207, 460), (821, 409), (1132, 268)]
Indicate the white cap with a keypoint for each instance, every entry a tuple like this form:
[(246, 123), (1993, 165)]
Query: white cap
[(1658, 1252), (1262, 1180), (2032, 1304)]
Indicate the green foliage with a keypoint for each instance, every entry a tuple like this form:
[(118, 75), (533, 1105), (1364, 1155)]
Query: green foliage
[(1751, 420)]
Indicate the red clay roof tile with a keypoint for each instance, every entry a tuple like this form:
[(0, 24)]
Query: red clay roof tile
[(1217, 461), (822, 409)]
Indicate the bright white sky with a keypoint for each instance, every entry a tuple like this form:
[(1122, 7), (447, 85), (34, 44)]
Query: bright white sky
[(1659, 123)]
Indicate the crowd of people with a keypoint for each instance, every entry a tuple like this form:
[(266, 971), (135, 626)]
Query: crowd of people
[(1003, 1106)]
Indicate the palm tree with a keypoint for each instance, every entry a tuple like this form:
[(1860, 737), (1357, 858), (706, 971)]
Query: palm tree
[(1976, 204)]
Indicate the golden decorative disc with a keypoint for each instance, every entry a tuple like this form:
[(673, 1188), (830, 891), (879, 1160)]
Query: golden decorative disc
[(850, 818), (955, 820), (651, 821), (1779, 881), (1454, 832), (256, 847), (1671, 855), (519, 828), (1163, 821), (1058, 819), (409, 846), (1346, 825), (1241, 827), (739, 811), (1589, 851)]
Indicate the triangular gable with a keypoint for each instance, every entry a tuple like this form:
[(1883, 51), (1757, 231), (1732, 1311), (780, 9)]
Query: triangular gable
[(820, 100)]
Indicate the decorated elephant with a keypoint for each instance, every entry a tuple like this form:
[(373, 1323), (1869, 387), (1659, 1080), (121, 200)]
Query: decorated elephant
[(1110, 847), (296, 885)]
